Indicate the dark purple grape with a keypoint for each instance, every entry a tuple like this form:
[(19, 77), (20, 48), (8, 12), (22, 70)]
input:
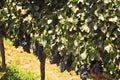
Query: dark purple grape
[(97, 67), (53, 59), (98, 70), (16, 43), (83, 69), (66, 64), (25, 45), (55, 56), (69, 61), (26, 48), (62, 65), (38, 50)]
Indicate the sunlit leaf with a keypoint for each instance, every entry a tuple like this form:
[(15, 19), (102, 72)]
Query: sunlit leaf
[(107, 1), (111, 66), (92, 50), (49, 21), (84, 55)]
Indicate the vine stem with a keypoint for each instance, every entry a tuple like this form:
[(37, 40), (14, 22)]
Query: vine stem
[(2, 51), (42, 66)]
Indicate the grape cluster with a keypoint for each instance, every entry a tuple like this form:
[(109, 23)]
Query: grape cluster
[(84, 70), (53, 59), (64, 61), (24, 42), (38, 51), (96, 67), (66, 64), (16, 43), (55, 56), (62, 65)]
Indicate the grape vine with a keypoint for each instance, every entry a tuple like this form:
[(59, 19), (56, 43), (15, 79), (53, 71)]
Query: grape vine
[(82, 31)]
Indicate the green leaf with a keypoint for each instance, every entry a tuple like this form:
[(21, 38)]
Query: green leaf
[(92, 50), (107, 41), (118, 2), (111, 67), (113, 54), (75, 1), (1, 16), (82, 49)]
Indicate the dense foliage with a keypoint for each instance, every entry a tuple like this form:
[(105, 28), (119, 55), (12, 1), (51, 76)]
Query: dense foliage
[(89, 30)]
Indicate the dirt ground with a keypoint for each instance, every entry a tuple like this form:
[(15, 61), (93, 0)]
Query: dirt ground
[(29, 62)]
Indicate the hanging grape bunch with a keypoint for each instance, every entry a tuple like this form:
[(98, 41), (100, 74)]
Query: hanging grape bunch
[(66, 62), (62, 65), (84, 71), (55, 56), (39, 51), (96, 67), (25, 43), (16, 43), (69, 62), (55, 59)]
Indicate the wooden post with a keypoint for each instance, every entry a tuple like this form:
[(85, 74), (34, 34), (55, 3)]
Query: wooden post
[(42, 66), (2, 51), (39, 52)]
